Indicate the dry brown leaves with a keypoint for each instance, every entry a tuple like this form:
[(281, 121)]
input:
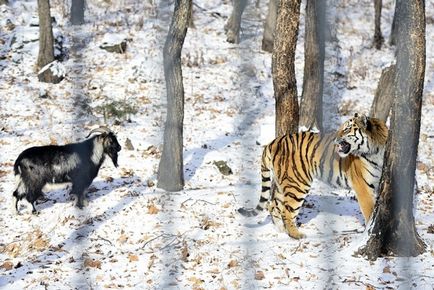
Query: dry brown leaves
[(184, 252), (92, 263), (233, 263), (152, 209), (123, 238), (12, 250), (206, 223), (133, 258), (259, 275), (7, 265)]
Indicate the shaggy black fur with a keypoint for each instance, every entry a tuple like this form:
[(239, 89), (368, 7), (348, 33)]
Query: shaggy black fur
[(76, 163)]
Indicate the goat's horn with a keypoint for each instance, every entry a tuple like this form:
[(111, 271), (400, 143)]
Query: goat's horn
[(99, 130)]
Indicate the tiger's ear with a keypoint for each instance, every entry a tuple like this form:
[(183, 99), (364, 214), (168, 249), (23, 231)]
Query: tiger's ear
[(366, 122)]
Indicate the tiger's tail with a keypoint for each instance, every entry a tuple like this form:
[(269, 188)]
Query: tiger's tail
[(266, 186)]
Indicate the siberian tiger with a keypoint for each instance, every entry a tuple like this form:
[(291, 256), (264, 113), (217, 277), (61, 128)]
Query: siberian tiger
[(350, 158)]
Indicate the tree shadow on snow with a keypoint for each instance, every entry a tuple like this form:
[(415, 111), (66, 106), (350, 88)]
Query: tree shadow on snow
[(95, 191), (336, 205), (77, 238), (313, 206)]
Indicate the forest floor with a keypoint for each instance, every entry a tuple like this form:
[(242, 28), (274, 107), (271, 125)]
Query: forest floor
[(133, 235)]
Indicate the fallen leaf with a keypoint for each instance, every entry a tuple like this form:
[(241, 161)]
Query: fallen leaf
[(184, 252), (386, 269), (195, 281), (12, 250), (133, 258), (122, 238), (152, 209), (7, 265), (92, 263), (259, 275), (39, 244), (151, 261), (232, 263), (150, 183)]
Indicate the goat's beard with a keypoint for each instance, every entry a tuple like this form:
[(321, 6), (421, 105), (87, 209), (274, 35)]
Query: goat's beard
[(114, 157)]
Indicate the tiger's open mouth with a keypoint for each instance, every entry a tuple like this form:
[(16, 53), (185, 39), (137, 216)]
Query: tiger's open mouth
[(343, 147)]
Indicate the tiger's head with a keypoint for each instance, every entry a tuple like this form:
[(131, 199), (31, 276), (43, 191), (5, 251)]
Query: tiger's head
[(361, 135)]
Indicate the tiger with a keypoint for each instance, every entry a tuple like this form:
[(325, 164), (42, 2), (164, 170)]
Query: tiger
[(351, 158)]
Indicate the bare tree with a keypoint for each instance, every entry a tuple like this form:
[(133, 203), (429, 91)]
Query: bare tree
[(384, 95), (378, 36), (46, 45), (283, 69), (270, 26), (233, 25), (314, 49), (393, 230), (46, 40), (170, 170), (77, 12)]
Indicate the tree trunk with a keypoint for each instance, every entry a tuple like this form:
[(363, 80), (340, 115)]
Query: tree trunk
[(393, 230), (384, 95), (269, 26), (283, 69), (378, 36), (46, 40), (46, 45), (77, 12), (314, 47), (233, 25), (170, 170)]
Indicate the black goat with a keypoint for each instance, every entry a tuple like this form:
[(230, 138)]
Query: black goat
[(76, 163)]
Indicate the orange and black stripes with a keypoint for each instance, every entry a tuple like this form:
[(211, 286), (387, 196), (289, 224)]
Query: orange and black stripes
[(293, 161)]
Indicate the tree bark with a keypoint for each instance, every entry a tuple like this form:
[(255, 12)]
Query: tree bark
[(384, 95), (170, 170), (270, 26), (314, 48), (283, 69), (393, 230), (77, 12), (233, 25), (46, 40), (393, 33), (378, 36)]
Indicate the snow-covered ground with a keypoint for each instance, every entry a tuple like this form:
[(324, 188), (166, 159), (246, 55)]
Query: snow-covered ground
[(133, 235)]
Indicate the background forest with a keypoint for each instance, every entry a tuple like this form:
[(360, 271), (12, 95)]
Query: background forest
[(134, 235)]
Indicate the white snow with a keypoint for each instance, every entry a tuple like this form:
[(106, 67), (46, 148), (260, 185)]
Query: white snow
[(56, 68), (135, 236)]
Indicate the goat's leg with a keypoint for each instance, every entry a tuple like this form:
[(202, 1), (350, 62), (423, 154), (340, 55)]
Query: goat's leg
[(31, 198), (18, 197), (78, 190)]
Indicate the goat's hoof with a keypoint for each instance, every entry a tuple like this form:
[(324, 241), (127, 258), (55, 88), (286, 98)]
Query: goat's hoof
[(36, 212)]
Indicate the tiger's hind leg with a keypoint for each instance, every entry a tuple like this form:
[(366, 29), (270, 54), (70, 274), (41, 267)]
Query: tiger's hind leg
[(290, 204), (276, 215)]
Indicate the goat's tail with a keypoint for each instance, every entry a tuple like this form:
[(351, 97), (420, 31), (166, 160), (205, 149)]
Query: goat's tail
[(20, 189)]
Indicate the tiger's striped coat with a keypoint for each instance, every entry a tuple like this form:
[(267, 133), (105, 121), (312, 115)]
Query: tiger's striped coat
[(350, 158)]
